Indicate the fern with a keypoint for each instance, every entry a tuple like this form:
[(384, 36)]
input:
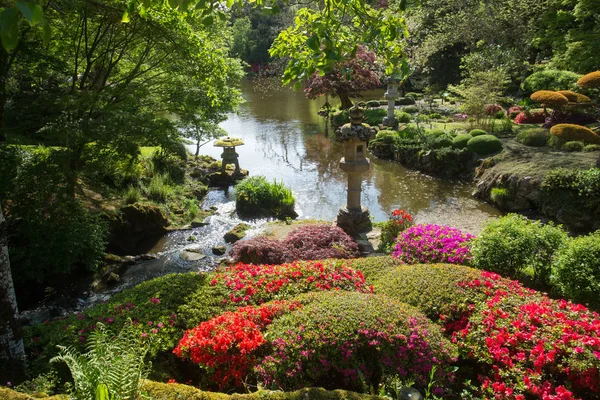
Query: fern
[(112, 368)]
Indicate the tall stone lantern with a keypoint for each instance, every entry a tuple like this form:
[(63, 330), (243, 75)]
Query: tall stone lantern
[(354, 218), (391, 95)]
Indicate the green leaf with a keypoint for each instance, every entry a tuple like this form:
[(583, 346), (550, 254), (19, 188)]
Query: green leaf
[(46, 32), (229, 3), (9, 28), (208, 21), (313, 43), (125, 18), (33, 13)]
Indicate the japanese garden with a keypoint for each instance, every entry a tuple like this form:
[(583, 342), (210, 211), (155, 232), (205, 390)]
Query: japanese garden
[(329, 199)]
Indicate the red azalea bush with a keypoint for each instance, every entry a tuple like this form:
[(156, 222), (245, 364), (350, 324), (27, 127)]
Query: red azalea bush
[(433, 244), (527, 117), (226, 345), (514, 111), (308, 242), (354, 341), (399, 221), (492, 109)]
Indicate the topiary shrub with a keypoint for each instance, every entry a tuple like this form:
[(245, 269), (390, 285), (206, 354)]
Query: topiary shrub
[(258, 250), (410, 109), (432, 244), (576, 269), (549, 97), (573, 146), (518, 247), (414, 96), (374, 116), (570, 132), (550, 80), (460, 141), (256, 196), (484, 145), (339, 118), (555, 142), (402, 117), (354, 341), (371, 267), (591, 80), (535, 137), (387, 136), (405, 101), (575, 97), (373, 103), (319, 241), (478, 132), (592, 147)]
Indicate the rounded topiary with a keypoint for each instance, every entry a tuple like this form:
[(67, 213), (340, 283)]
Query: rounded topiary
[(402, 117), (484, 145), (352, 341), (576, 269), (575, 97), (373, 103), (477, 132), (405, 101), (411, 109), (591, 80), (460, 141), (549, 97), (592, 147), (386, 136), (574, 145), (572, 132), (535, 137)]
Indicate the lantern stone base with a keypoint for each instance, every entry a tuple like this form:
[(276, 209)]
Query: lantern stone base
[(391, 122), (354, 221)]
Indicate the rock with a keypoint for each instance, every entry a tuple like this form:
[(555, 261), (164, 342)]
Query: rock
[(198, 224), (146, 257), (191, 255), (191, 238), (113, 278), (135, 228), (237, 233), (129, 260), (219, 250)]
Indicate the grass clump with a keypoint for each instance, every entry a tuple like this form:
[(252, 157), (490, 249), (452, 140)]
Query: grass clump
[(158, 189), (257, 197)]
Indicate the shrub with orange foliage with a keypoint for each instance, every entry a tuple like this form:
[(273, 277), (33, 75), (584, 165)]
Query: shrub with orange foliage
[(549, 97), (571, 132)]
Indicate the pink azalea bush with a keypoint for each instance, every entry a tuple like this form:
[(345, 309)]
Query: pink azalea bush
[(433, 244)]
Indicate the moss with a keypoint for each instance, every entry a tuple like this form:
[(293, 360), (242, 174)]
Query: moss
[(237, 233), (571, 132), (499, 195), (591, 80), (174, 391), (549, 97), (229, 142)]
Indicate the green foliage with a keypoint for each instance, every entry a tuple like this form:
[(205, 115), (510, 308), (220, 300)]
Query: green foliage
[(169, 165), (460, 141), (574, 145), (374, 116), (159, 190), (112, 368), (256, 196), (405, 101), (431, 288), (576, 269), (339, 118), (371, 267), (550, 79), (484, 145), (132, 195), (592, 147), (535, 137), (373, 103), (410, 109), (499, 195), (477, 132), (518, 247), (479, 90), (402, 117), (555, 142)]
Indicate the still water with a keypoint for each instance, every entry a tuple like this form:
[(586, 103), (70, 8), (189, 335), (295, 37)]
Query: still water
[(287, 140)]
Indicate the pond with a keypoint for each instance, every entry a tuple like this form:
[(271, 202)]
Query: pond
[(287, 140)]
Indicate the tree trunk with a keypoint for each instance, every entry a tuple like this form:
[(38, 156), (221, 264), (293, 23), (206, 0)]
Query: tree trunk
[(3, 73), (346, 102), (12, 352), (197, 147)]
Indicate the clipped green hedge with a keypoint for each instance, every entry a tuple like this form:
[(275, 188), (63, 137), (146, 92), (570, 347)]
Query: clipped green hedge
[(478, 132), (460, 141), (534, 137), (371, 267), (175, 391), (484, 145)]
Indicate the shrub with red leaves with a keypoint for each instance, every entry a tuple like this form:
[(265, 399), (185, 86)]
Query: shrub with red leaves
[(226, 345), (258, 250), (514, 111), (492, 109), (527, 117)]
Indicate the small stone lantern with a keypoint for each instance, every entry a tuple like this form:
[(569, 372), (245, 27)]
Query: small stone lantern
[(229, 155), (353, 218), (391, 95)]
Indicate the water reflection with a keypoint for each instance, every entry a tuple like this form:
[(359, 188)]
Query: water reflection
[(285, 140)]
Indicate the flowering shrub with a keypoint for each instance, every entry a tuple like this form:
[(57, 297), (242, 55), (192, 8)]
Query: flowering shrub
[(226, 345), (353, 341), (514, 111), (399, 221), (248, 284), (433, 244), (492, 109), (527, 117), (529, 345), (309, 242)]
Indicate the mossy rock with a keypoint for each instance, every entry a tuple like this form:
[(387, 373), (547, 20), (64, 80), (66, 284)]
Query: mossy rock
[(484, 145), (237, 233), (572, 132), (460, 141)]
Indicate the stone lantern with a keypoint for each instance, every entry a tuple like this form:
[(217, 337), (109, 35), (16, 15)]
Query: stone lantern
[(229, 155), (391, 95), (354, 218)]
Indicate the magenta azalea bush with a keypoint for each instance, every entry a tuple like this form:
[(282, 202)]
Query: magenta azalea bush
[(423, 244)]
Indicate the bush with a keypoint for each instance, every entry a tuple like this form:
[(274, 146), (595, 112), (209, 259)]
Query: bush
[(399, 221), (258, 250), (493, 109), (477, 132), (339, 118), (373, 103), (527, 117), (591, 80), (387, 136), (535, 137), (255, 196), (592, 147), (405, 101), (158, 189), (518, 247), (550, 80), (548, 97), (514, 111), (371, 267), (576, 270), (432, 244), (410, 109), (433, 141), (573, 146), (555, 142), (319, 241), (132, 195), (570, 132), (460, 141), (375, 116), (170, 165), (484, 145), (402, 117), (414, 96), (499, 195), (354, 341)]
